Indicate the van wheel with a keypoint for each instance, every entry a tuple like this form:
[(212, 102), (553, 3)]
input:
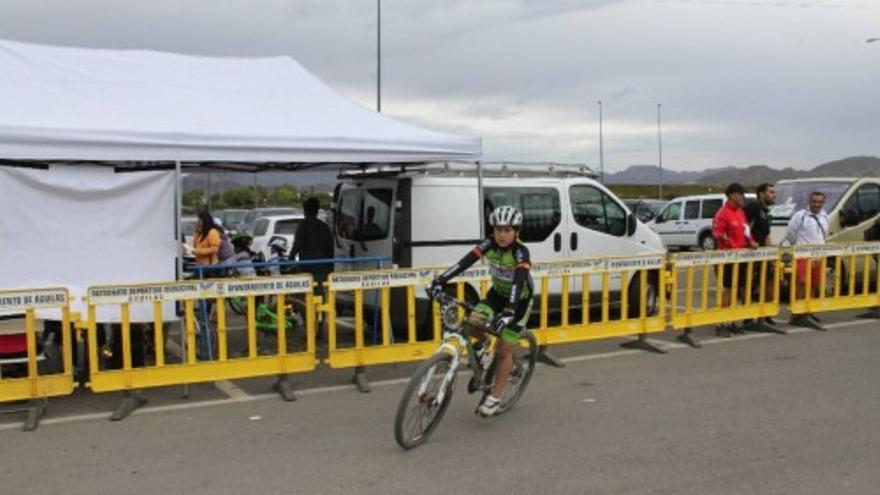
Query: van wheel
[(652, 305), (707, 241)]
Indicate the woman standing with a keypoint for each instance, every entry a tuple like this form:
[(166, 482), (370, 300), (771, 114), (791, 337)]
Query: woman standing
[(206, 240)]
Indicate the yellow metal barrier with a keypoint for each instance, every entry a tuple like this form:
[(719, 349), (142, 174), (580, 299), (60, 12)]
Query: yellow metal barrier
[(626, 293), (848, 276), (626, 309), (190, 369), (354, 285), (37, 385), (698, 284)]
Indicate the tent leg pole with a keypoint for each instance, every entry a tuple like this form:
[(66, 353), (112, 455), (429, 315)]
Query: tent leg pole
[(178, 175)]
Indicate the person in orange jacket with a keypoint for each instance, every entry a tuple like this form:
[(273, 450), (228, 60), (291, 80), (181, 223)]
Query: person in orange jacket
[(206, 240)]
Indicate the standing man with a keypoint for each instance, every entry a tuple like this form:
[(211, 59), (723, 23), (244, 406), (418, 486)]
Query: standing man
[(758, 217), (808, 226), (313, 241), (731, 231)]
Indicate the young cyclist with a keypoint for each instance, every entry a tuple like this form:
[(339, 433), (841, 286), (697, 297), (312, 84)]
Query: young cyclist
[(509, 300)]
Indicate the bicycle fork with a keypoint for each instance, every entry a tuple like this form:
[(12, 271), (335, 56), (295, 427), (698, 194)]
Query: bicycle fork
[(452, 350)]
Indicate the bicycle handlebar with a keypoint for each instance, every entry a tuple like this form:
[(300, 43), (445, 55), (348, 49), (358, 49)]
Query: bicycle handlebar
[(444, 298)]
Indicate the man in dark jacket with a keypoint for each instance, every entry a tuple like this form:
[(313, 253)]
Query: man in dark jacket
[(313, 241), (758, 215)]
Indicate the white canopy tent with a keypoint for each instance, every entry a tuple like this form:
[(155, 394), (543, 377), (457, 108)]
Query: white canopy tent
[(63, 103), (148, 111)]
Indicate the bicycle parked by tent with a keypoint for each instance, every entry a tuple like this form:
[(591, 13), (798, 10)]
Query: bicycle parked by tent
[(430, 390)]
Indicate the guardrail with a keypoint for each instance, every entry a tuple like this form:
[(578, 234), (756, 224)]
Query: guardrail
[(193, 368), (625, 292), (576, 301), (699, 280), (39, 383), (848, 278)]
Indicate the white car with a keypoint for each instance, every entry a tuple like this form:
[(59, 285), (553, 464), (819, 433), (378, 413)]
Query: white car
[(265, 228), (686, 222), (188, 229)]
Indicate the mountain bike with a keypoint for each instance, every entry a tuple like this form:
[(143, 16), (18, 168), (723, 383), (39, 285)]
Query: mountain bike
[(430, 390)]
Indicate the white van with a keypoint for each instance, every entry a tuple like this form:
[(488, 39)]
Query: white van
[(430, 215), (686, 222), (853, 205)]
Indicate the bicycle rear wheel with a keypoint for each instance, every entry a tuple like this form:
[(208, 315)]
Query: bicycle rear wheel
[(419, 413), (525, 356), (238, 305)]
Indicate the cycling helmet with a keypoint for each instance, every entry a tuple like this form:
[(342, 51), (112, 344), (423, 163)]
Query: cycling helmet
[(506, 216), (278, 244), (241, 240)]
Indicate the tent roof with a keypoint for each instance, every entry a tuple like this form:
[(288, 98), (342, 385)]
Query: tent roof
[(78, 104)]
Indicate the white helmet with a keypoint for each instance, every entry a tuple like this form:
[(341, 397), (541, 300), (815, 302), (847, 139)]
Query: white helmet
[(278, 243), (506, 216)]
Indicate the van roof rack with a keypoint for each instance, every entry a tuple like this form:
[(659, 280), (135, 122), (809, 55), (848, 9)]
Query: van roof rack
[(469, 169)]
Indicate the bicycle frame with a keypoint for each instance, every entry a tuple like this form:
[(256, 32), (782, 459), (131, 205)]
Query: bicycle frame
[(454, 341)]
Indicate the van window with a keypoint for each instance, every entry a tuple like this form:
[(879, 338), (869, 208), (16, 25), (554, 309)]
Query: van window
[(595, 210), (540, 207), (261, 227), (364, 214), (672, 212), (711, 207), (863, 205), (692, 210)]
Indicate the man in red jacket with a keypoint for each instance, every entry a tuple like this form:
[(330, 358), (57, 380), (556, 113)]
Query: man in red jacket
[(731, 231)]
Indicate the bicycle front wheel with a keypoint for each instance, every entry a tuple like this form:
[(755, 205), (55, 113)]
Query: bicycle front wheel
[(525, 357), (420, 410)]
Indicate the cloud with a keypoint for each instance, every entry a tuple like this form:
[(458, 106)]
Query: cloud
[(779, 81)]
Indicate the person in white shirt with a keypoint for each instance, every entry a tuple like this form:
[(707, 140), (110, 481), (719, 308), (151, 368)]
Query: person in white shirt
[(808, 226)]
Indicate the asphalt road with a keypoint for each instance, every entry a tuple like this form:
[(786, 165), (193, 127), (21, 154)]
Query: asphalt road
[(796, 414)]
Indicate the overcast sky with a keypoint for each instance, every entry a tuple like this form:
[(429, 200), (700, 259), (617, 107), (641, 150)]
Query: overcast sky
[(777, 82)]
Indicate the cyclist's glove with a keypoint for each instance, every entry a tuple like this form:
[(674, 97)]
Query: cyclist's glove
[(502, 320), (435, 289)]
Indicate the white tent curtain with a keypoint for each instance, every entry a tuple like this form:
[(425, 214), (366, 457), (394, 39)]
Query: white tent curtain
[(79, 226)]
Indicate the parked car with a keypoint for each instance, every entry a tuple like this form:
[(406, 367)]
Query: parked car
[(250, 218), (265, 228), (231, 219), (645, 209), (188, 229), (686, 222)]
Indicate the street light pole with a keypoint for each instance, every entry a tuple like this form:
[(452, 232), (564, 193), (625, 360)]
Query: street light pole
[(601, 148), (379, 56), (660, 151)]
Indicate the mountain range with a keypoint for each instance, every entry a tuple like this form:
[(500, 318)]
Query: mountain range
[(322, 181), (857, 166)]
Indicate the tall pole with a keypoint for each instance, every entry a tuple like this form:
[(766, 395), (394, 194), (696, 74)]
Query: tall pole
[(379, 56), (256, 192), (208, 193), (601, 148), (660, 151)]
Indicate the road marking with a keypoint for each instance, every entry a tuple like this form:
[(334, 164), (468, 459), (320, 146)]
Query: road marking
[(398, 381), (232, 390)]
